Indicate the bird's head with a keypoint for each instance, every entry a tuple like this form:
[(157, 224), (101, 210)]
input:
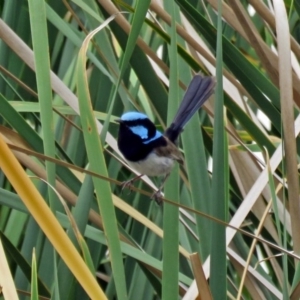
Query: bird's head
[(139, 125)]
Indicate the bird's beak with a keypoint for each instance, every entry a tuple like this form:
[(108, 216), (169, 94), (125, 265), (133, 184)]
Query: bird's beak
[(118, 121)]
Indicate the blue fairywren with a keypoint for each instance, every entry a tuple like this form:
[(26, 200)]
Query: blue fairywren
[(149, 151)]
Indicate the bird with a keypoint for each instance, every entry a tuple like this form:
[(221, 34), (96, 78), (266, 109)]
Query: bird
[(151, 152)]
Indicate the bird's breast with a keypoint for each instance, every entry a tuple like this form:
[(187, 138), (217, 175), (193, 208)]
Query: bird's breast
[(153, 165)]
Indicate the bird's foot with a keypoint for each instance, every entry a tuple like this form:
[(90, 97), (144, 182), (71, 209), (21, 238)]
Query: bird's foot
[(157, 197), (127, 185)]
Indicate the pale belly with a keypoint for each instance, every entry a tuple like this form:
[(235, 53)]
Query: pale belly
[(153, 165)]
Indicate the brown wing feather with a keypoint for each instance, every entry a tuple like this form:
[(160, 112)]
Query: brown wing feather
[(170, 150)]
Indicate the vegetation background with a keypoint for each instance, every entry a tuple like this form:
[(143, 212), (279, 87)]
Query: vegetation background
[(229, 227)]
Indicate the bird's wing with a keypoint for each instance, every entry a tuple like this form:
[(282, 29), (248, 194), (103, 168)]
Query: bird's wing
[(171, 151)]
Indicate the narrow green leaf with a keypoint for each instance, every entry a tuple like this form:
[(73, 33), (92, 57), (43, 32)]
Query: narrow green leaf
[(220, 195), (38, 22), (171, 212), (34, 286), (137, 22), (98, 164)]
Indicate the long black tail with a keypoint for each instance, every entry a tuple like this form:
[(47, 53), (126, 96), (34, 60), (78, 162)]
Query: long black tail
[(199, 90)]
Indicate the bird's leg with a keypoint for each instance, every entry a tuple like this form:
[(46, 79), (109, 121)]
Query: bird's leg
[(128, 183), (158, 195)]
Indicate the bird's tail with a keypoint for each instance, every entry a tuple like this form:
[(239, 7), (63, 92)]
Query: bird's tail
[(199, 90)]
